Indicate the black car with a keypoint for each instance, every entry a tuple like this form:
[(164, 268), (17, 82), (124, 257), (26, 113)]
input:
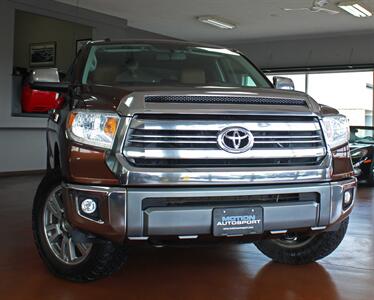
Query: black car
[(362, 150)]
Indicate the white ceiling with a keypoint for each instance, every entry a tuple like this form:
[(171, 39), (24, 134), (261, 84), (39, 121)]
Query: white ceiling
[(256, 19)]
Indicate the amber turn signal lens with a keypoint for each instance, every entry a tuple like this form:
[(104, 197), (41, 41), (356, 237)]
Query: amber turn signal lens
[(71, 118), (111, 126)]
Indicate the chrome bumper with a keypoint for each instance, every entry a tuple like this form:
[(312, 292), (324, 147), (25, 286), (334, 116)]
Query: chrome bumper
[(123, 214), (134, 176)]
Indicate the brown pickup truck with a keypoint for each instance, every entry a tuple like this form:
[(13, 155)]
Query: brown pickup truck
[(168, 141)]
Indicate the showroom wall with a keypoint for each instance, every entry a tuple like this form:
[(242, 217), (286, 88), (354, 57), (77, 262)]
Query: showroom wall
[(22, 139), (43, 29)]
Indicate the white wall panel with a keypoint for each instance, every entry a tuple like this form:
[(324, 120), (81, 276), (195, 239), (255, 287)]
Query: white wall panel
[(22, 139)]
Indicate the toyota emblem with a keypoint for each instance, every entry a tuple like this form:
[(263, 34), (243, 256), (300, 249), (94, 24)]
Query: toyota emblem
[(235, 140)]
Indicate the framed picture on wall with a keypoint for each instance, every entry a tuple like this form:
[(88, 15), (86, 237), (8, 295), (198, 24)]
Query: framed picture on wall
[(80, 43), (43, 54)]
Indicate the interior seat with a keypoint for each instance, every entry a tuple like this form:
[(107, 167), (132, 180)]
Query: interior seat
[(193, 76), (104, 74)]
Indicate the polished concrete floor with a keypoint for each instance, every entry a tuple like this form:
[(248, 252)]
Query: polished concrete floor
[(221, 272)]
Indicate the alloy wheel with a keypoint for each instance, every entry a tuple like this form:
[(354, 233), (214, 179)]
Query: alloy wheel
[(57, 231)]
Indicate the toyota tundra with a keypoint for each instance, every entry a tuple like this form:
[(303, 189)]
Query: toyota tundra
[(174, 142)]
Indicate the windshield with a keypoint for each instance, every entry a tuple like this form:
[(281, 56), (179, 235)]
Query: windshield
[(362, 135), (157, 65)]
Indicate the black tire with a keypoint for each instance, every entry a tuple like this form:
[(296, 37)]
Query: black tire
[(103, 259), (309, 250)]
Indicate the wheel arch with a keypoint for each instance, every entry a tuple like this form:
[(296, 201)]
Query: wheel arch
[(56, 158)]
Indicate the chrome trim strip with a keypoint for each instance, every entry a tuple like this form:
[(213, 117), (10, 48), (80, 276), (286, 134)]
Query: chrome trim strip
[(278, 231), (180, 124), (172, 141), (288, 142), (318, 228), (175, 136), (287, 137), (93, 188), (136, 176), (224, 177), (214, 136), (135, 152), (188, 237)]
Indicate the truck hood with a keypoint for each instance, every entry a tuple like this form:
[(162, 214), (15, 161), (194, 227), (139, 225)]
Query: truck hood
[(132, 100)]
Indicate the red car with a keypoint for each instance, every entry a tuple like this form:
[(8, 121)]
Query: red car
[(35, 101)]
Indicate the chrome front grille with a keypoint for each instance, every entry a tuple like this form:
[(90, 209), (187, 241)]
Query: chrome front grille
[(191, 141)]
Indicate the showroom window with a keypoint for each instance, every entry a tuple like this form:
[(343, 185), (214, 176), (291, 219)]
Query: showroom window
[(42, 42), (349, 92)]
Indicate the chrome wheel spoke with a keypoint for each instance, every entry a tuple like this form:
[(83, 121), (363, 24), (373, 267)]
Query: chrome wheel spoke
[(55, 207), (64, 248), (53, 232), (83, 248), (71, 250)]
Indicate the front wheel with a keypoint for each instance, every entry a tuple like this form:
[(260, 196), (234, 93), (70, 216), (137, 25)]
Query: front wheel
[(298, 249), (84, 261)]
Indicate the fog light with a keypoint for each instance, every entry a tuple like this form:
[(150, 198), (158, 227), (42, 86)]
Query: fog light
[(348, 198), (88, 206)]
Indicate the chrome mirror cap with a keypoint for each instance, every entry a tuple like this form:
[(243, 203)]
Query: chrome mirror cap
[(283, 83), (45, 75)]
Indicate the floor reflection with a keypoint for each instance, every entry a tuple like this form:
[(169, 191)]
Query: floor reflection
[(276, 281)]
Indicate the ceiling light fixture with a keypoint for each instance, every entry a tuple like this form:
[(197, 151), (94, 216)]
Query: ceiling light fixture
[(355, 8), (217, 22)]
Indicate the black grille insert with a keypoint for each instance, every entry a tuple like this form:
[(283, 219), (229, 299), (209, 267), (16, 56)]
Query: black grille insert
[(225, 100), (196, 163), (229, 200)]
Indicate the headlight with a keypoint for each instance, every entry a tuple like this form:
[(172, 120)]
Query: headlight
[(336, 130), (92, 128)]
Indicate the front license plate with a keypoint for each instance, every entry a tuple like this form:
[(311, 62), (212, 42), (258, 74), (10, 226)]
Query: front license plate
[(237, 221)]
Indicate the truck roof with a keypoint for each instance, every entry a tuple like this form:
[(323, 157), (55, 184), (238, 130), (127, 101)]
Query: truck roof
[(170, 42)]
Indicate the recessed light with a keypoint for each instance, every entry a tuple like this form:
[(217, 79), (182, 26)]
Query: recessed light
[(216, 22), (355, 8)]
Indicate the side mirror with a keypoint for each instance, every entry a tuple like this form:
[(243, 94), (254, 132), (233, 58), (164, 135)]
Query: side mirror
[(283, 83), (47, 80), (41, 92)]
